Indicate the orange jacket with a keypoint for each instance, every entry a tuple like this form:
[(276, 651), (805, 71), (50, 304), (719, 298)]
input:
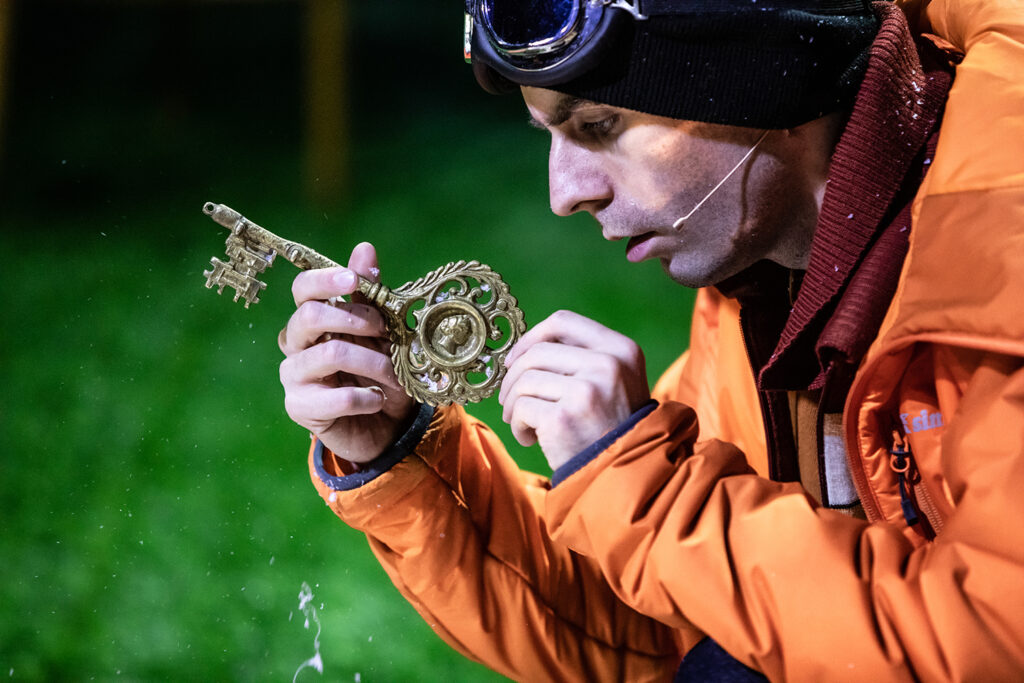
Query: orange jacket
[(671, 532)]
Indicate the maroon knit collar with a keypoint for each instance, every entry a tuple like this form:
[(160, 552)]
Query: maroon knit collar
[(870, 185)]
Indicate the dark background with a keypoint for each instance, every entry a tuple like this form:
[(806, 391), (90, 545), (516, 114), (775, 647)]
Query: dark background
[(156, 517)]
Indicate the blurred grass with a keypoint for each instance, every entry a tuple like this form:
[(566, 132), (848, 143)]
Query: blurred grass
[(156, 515)]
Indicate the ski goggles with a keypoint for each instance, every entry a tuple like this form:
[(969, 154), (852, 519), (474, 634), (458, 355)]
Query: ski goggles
[(542, 42)]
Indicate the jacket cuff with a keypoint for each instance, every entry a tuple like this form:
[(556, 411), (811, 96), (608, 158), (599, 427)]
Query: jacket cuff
[(581, 459), (382, 463)]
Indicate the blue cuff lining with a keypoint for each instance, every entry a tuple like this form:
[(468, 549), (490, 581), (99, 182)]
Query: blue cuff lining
[(579, 460), (383, 462), (707, 661)]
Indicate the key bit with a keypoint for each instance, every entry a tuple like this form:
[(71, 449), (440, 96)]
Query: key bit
[(450, 330)]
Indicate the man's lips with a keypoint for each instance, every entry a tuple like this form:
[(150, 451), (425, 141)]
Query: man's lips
[(638, 248)]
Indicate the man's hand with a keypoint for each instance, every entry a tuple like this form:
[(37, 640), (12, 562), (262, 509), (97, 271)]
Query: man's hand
[(342, 387), (570, 381)]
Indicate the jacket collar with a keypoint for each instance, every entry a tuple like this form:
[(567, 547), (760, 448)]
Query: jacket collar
[(864, 224)]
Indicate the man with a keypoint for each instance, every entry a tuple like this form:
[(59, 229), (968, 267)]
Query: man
[(849, 509)]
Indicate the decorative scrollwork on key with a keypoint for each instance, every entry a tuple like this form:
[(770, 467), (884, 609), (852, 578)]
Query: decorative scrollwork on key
[(465, 323), (450, 330)]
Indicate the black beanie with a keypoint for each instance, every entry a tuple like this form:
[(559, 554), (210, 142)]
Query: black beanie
[(754, 63)]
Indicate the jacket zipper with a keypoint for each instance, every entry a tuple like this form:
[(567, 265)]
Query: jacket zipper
[(916, 502)]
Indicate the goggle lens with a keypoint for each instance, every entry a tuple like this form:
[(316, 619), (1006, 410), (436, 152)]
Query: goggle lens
[(521, 23)]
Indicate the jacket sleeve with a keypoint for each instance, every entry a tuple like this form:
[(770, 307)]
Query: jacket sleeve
[(457, 528), (688, 534)]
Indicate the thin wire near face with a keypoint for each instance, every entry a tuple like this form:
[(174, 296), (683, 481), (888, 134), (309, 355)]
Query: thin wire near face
[(682, 219)]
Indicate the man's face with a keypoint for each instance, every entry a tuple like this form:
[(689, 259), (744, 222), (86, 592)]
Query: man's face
[(637, 174)]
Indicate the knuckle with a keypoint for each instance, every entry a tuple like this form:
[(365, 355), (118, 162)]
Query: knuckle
[(633, 354), (608, 367), (336, 351), (584, 398), (344, 403), (309, 314), (304, 285), (282, 341), (292, 409), (562, 315), (382, 366), (524, 378), (299, 284)]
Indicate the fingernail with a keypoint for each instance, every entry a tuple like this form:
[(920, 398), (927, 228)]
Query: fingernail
[(346, 279)]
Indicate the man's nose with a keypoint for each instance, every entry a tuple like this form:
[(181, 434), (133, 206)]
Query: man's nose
[(576, 180)]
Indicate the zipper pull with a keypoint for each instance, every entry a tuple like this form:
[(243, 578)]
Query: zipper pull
[(900, 462)]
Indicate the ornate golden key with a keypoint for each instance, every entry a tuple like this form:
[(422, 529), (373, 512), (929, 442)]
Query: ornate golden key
[(450, 330)]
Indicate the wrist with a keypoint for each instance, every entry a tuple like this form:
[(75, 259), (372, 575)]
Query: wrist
[(355, 474), (582, 458)]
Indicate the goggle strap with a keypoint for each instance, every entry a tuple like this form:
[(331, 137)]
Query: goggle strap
[(631, 6), (643, 9)]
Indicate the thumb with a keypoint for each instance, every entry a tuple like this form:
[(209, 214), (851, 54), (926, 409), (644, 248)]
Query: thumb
[(364, 261)]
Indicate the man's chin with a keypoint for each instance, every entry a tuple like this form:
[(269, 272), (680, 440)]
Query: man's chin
[(686, 278), (696, 276)]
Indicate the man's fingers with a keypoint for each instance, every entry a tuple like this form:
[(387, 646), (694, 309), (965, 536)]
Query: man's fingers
[(554, 358), (318, 404), (323, 283), (546, 357), (529, 413), (312, 288), (333, 356), (540, 384), (314, 318), (573, 329)]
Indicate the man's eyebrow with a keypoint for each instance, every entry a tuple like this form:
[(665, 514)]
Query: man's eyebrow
[(567, 104)]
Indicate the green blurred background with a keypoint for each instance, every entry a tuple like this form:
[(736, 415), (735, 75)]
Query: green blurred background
[(156, 517)]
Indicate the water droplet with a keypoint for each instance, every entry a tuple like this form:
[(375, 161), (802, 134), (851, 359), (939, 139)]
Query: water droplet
[(305, 598)]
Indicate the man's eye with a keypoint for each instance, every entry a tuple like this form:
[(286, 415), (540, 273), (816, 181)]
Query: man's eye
[(601, 127)]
